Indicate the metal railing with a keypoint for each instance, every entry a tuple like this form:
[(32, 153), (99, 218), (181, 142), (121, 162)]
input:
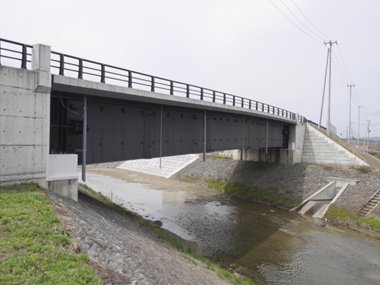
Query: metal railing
[(73, 66), (315, 124), (14, 53)]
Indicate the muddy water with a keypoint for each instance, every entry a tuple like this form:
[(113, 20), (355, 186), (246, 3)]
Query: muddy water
[(269, 245)]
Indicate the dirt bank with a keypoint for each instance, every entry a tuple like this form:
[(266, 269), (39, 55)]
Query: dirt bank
[(300, 180), (123, 253)]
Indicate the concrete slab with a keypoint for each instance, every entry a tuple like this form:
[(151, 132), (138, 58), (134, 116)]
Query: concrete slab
[(307, 207), (170, 165)]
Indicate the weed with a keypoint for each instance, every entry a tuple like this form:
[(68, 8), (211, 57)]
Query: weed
[(268, 194), (362, 169), (217, 183), (33, 241), (375, 154), (326, 166), (219, 157), (340, 212)]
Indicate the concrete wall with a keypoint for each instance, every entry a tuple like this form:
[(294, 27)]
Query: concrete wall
[(24, 119), (24, 129)]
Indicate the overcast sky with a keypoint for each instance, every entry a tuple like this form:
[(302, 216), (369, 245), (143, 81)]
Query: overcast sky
[(247, 48)]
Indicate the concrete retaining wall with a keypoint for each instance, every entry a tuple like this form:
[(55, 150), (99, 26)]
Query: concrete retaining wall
[(24, 119)]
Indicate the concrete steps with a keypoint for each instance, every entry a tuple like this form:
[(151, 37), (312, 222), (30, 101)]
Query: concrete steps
[(319, 149), (372, 203)]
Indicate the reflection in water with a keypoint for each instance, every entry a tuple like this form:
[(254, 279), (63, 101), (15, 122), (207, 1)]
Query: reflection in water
[(269, 245)]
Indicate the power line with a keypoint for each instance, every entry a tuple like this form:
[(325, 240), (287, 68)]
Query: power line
[(294, 23), (337, 61), (301, 21), (310, 21), (344, 65)]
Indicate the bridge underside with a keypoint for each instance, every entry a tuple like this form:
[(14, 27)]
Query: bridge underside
[(123, 130)]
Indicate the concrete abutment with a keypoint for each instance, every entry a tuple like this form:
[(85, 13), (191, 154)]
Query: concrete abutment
[(25, 126)]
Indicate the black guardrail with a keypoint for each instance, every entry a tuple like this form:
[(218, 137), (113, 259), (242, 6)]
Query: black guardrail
[(63, 64)]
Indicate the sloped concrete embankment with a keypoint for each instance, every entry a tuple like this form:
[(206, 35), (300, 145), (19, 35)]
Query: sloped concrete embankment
[(302, 180)]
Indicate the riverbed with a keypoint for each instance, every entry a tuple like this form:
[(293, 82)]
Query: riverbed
[(269, 245)]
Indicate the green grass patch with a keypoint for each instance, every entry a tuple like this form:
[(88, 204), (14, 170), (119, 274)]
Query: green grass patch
[(362, 169), (375, 154), (335, 212), (217, 183), (219, 157), (251, 192), (172, 241), (34, 244)]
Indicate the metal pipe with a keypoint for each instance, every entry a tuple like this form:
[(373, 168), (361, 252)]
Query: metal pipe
[(204, 136), (266, 146), (84, 147), (161, 137), (242, 142)]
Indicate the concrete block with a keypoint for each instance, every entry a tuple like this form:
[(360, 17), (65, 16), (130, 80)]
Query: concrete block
[(41, 58), (66, 188), (43, 82), (62, 167)]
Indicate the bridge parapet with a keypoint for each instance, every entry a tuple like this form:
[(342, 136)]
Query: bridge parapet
[(72, 66)]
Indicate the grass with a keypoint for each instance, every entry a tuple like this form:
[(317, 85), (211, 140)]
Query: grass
[(34, 245), (340, 212), (375, 154), (217, 183), (252, 192), (165, 235), (219, 157), (362, 169)]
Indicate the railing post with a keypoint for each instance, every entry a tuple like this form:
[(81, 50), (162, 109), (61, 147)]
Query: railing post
[(171, 88), (23, 60), (233, 100), (204, 135), (187, 91), (224, 98), (103, 74), (202, 94), (0, 52), (250, 104), (262, 107), (213, 96), (129, 79), (242, 102), (84, 144), (152, 85), (257, 105), (61, 64), (80, 71)]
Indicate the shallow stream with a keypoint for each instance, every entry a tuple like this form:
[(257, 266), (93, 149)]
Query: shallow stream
[(269, 245)]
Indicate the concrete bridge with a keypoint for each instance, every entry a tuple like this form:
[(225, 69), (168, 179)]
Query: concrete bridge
[(59, 110)]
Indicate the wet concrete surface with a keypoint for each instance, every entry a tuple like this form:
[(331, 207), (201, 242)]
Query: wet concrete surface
[(269, 245)]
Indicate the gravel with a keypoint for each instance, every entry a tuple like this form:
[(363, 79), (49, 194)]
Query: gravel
[(302, 180)]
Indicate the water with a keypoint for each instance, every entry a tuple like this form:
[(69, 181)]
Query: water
[(267, 244)]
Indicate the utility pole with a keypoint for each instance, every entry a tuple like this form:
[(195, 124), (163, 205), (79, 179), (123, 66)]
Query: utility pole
[(368, 131), (349, 116), (324, 88), (359, 125), (329, 101)]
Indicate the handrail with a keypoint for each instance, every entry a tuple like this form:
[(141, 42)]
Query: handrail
[(85, 68), (9, 53)]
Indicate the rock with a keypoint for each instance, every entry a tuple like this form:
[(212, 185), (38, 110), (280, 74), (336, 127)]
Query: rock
[(157, 223)]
